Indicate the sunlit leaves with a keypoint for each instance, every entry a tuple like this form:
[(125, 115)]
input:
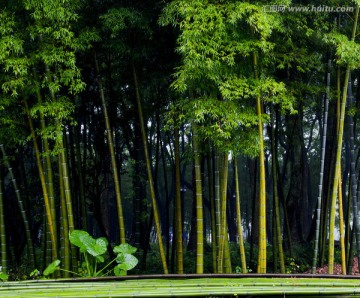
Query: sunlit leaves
[(347, 51), (217, 40)]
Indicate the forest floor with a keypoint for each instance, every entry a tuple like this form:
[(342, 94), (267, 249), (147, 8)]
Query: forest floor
[(337, 268)]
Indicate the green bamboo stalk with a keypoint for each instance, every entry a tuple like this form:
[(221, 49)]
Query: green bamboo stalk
[(49, 218), (262, 183), (68, 199), (238, 219), (177, 206), (217, 203), (276, 199), (48, 172), (83, 208), (223, 206), (354, 191), (199, 287), (29, 242), (212, 208), (342, 231), (149, 172), (64, 223), (322, 164), (3, 251), (113, 159), (338, 159), (199, 203)]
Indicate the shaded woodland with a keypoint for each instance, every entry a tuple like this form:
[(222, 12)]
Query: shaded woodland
[(214, 136)]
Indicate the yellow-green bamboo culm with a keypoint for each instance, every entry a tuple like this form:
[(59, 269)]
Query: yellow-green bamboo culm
[(149, 173), (238, 219), (262, 183), (199, 204), (338, 156)]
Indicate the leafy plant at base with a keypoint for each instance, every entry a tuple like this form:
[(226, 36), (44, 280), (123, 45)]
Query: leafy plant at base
[(3, 276), (94, 252)]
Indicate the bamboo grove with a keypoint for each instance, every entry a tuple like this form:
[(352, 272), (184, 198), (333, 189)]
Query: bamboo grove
[(218, 136)]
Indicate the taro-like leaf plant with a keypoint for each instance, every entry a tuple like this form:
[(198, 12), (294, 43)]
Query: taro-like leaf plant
[(3, 276), (94, 252)]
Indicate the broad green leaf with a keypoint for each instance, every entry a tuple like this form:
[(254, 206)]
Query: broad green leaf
[(100, 259), (125, 248), (51, 268), (127, 261), (76, 237), (3, 276), (119, 271), (96, 247)]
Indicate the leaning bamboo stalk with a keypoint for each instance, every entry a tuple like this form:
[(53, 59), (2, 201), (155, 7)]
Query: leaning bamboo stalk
[(48, 172), (113, 159), (49, 218), (338, 157), (149, 172), (238, 219), (30, 245)]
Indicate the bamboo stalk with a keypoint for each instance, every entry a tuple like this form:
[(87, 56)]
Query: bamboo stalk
[(3, 250), (180, 287)]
